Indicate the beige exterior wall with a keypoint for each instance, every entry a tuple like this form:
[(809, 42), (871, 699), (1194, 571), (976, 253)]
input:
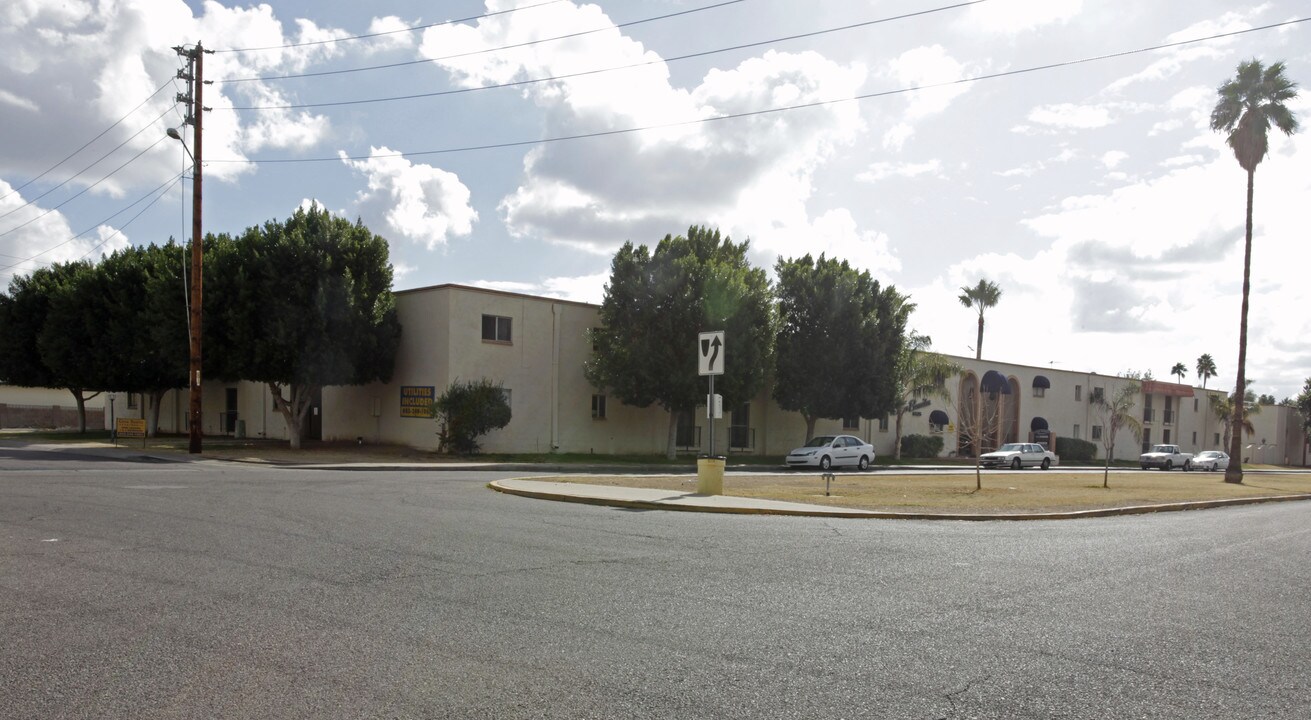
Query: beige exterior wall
[(541, 366)]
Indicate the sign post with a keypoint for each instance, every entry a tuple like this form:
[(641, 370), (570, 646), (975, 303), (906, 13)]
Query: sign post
[(710, 362)]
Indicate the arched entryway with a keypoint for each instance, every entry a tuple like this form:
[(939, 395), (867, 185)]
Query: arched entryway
[(967, 404)]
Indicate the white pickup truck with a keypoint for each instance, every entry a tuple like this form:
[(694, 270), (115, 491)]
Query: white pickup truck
[(1166, 457)]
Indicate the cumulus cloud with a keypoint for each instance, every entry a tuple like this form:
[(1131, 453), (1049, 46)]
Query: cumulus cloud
[(49, 44), (1011, 17), (582, 288), (32, 236), (419, 202), (883, 170), (750, 175)]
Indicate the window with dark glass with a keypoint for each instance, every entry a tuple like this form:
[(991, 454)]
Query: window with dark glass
[(598, 407), (496, 328)]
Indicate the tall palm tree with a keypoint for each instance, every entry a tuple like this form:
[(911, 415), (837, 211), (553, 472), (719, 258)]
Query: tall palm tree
[(1249, 103), (1206, 368), (983, 296), (1179, 370)]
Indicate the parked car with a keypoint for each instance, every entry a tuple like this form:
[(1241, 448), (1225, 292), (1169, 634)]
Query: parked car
[(1019, 455), (827, 451), (1211, 460), (1166, 457)]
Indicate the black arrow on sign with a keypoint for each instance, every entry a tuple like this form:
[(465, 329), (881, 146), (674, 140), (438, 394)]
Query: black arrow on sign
[(714, 344)]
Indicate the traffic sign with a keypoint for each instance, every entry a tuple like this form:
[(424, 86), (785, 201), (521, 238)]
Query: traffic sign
[(710, 353)]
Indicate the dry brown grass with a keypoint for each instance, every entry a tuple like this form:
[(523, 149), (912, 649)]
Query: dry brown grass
[(1003, 492)]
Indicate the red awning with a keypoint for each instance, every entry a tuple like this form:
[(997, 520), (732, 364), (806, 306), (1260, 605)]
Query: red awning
[(1159, 387)]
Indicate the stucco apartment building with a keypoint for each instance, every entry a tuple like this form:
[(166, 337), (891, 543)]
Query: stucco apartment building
[(537, 347)]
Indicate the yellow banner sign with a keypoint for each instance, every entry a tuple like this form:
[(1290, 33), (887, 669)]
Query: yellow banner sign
[(416, 400), (130, 427)]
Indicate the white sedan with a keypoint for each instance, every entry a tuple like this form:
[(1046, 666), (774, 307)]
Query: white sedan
[(827, 451), (1211, 460), (1019, 455)]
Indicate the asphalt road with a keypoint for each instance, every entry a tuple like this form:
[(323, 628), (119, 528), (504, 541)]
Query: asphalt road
[(210, 590)]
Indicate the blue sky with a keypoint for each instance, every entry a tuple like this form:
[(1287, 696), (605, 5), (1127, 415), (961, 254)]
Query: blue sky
[(1094, 194)]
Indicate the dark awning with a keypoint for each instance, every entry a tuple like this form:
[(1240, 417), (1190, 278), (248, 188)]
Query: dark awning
[(995, 382), (938, 417), (1041, 382), (1037, 424)]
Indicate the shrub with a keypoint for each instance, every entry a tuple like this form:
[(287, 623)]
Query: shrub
[(1075, 450), (467, 411), (921, 446)]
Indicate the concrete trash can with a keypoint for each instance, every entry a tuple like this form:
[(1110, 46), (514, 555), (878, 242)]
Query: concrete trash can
[(710, 475)]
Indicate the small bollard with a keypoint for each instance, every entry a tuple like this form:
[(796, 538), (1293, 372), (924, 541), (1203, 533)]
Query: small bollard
[(828, 478)]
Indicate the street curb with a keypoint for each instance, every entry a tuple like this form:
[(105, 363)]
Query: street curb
[(883, 515)]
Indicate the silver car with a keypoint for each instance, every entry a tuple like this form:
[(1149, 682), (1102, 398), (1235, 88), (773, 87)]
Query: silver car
[(827, 451)]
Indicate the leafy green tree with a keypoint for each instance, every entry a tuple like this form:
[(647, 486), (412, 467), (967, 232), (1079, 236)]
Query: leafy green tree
[(920, 375), (299, 305), (1266, 400), (1205, 368), (839, 342), (1179, 370), (1249, 103), (657, 303), (146, 323), (1116, 413), (466, 412), (74, 341), (25, 360), (983, 296), (1303, 405)]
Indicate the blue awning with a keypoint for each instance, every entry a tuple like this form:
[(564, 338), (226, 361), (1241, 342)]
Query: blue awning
[(995, 382), (1041, 382), (938, 417), (1037, 424)]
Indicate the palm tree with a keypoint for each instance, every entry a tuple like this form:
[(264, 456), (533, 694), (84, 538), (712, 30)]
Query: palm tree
[(1205, 368), (1179, 370), (921, 375), (1117, 414), (1231, 415), (1249, 103), (983, 296)]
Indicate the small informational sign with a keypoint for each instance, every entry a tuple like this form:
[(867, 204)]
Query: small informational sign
[(416, 400), (130, 427)]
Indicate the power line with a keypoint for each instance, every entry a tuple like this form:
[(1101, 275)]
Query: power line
[(177, 179), (89, 142), (165, 186), (83, 191), (388, 32), (753, 113), (483, 51), (98, 160), (584, 73)]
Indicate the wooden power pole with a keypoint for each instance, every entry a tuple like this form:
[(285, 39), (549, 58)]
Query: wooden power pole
[(195, 77)]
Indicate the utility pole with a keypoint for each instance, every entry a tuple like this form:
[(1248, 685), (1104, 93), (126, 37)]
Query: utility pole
[(195, 77)]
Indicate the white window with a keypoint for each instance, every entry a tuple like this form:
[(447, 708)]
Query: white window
[(1075, 434), (1078, 394), (1039, 391), (850, 423)]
